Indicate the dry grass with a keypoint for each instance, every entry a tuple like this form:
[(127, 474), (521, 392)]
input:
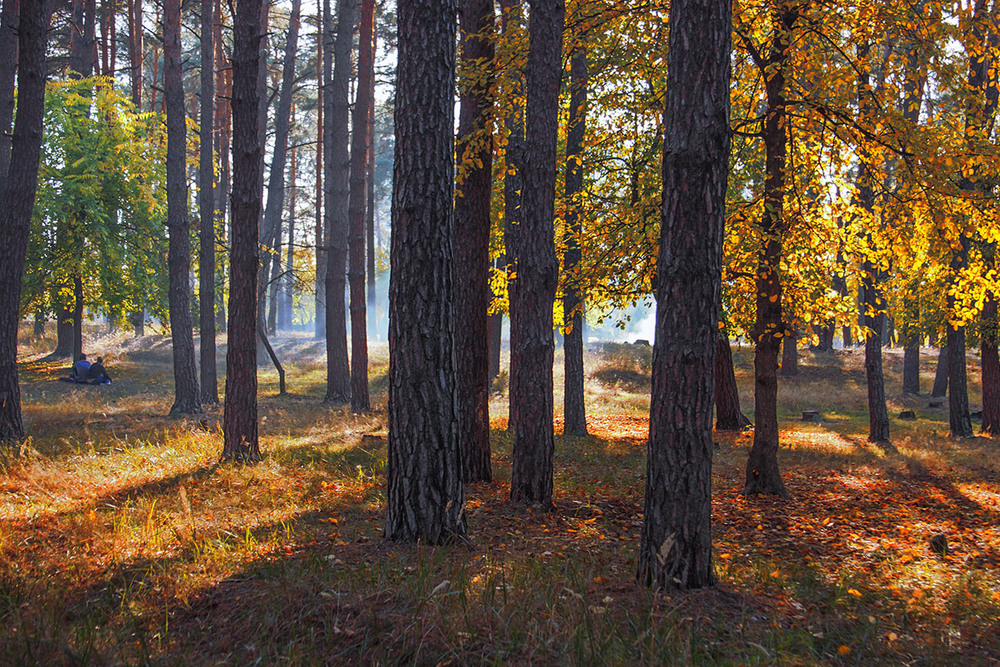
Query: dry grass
[(123, 541)]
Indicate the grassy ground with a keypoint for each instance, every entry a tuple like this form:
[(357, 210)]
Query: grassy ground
[(123, 541)]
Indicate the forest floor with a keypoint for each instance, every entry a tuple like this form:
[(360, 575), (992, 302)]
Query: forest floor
[(123, 541)]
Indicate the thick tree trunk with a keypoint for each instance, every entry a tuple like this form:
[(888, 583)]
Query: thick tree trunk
[(790, 354), (206, 209), (360, 143), (17, 201), (911, 337), (728, 416), (532, 292), (8, 69), (240, 419), (762, 475), (77, 316), (64, 333), (574, 407), (676, 542), (959, 423), (338, 372), (940, 387), (187, 400), (425, 489), (472, 238)]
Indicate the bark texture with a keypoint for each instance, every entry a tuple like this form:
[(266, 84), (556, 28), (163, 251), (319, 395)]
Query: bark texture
[(940, 387), (8, 70), (187, 400), (472, 239), (728, 416), (17, 201), (356, 209), (959, 423), (240, 419), (873, 305), (762, 475), (338, 372), (990, 367), (532, 291), (206, 209), (425, 494), (574, 407), (676, 542)]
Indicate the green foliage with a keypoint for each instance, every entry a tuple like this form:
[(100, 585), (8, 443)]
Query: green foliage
[(100, 204)]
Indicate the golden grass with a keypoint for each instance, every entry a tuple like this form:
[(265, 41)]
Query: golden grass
[(124, 541)]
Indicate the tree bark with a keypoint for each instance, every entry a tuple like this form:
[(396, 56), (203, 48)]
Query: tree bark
[(959, 423), (323, 64), (17, 201), (532, 292), (990, 367), (187, 400), (240, 418), (425, 488), (356, 209), (574, 406), (338, 373), (206, 209), (940, 387), (790, 353), (762, 474), (872, 306), (370, 207), (676, 542), (472, 237), (511, 19), (728, 416), (285, 313), (135, 51), (271, 224), (8, 70)]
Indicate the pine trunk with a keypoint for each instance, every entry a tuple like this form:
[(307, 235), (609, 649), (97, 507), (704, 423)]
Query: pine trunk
[(338, 372), (18, 199), (472, 238), (511, 19), (206, 209), (425, 489), (356, 209), (8, 70), (240, 419), (532, 292), (370, 206), (728, 416), (187, 400), (676, 542), (135, 51), (574, 407), (322, 77)]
